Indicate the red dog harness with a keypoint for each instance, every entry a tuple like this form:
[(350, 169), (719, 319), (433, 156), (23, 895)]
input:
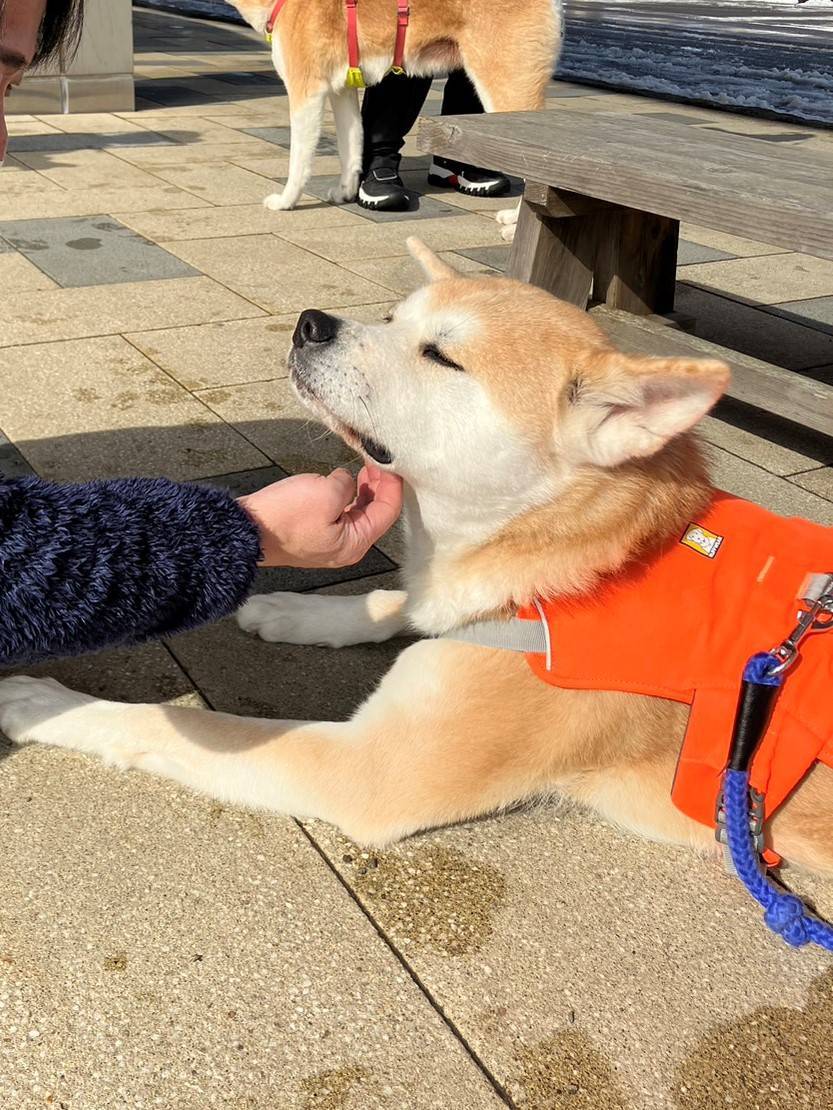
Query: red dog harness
[(681, 625), (355, 77)]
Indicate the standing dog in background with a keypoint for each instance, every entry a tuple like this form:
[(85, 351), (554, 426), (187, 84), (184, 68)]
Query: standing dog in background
[(509, 52)]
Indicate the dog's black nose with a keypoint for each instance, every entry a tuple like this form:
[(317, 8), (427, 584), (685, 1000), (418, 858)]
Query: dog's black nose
[(315, 327)]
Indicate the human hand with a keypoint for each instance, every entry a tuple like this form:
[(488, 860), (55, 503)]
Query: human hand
[(311, 520)]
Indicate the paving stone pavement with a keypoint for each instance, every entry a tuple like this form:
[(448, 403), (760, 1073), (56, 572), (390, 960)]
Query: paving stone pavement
[(162, 950)]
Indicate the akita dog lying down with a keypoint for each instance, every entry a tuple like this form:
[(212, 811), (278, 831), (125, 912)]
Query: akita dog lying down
[(508, 50), (539, 463)]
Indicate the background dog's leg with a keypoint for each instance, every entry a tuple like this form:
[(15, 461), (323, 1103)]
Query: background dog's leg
[(350, 137), (439, 741), (305, 116), (327, 620), (515, 79)]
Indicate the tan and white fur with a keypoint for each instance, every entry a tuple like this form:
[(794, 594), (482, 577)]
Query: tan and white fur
[(508, 50), (536, 458)]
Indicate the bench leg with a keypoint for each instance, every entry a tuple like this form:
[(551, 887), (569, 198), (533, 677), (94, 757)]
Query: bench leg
[(555, 254), (636, 269), (580, 249)]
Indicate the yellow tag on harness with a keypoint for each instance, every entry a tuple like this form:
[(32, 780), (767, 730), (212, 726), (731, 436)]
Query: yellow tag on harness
[(397, 71), (355, 78), (268, 37)]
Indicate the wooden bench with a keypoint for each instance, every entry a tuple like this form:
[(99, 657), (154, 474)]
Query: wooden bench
[(601, 211)]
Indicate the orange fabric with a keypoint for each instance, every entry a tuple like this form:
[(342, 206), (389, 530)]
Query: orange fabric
[(681, 625)]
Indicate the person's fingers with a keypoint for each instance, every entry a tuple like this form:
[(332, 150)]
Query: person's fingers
[(341, 487), (373, 519)]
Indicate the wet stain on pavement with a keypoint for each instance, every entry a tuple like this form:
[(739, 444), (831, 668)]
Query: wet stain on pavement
[(84, 244), (428, 896), (566, 1070), (775, 1058), (330, 1090)]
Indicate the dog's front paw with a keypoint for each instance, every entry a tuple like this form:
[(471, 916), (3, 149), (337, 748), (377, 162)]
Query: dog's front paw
[(286, 618), (278, 202), (344, 192), (508, 217), (31, 707)]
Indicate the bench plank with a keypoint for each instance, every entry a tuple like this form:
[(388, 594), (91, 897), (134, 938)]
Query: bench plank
[(732, 183), (780, 392)]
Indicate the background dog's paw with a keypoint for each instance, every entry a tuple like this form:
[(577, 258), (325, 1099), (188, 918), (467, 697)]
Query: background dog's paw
[(278, 202), (30, 706), (344, 192), (508, 217), (291, 619)]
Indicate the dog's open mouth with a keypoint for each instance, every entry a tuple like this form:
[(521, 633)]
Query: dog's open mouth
[(366, 444)]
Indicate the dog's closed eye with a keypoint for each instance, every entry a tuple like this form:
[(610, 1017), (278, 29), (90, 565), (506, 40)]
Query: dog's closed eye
[(432, 352)]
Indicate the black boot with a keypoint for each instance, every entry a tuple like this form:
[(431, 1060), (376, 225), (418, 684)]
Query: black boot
[(382, 189), (467, 179)]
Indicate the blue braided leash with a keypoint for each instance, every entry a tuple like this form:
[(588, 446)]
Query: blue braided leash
[(784, 913)]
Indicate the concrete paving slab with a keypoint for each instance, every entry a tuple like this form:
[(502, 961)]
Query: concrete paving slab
[(239, 673), (765, 441), (345, 244), (819, 481), (94, 202), (191, 129), (91, 251), (745, 328), (276, 274), (22, 181), (50, 139), (732, 244), (217, 182), (817, 312), (495, 258), (282, 136), (757, 281), (271, 417), (143, 673), (224, 354), (87, 169), (190, 153), (275, 167), (49, 315), (236, 973), (90, 123), (97, 408), (18, 273), (233, 220), (420, 208), (12, 463), (233, 352), (589, 968), (403, 275), (690, 253), (736, 475)]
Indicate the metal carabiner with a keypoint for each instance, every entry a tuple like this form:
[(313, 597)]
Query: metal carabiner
[(817, 595)]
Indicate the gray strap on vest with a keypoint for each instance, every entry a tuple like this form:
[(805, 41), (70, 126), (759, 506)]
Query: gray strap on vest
[(527, 637)]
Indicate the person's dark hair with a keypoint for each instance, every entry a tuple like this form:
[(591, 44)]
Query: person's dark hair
[(60, 30)]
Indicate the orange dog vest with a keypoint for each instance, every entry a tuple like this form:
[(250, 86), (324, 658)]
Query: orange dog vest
[(682, 624)]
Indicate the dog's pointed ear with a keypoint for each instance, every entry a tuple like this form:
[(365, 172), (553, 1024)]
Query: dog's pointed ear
[(432, 265), (622, 407)]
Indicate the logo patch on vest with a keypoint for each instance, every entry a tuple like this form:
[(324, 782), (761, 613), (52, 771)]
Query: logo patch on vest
[(701, 540)]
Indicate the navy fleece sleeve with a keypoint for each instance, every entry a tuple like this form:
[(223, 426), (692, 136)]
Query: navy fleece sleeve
[(89, 566)]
